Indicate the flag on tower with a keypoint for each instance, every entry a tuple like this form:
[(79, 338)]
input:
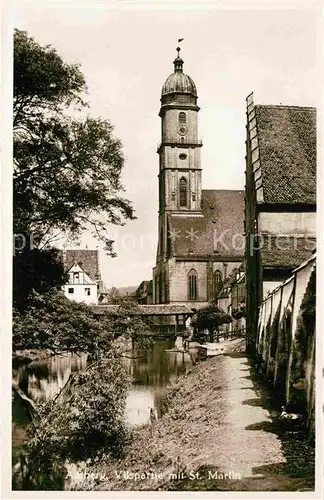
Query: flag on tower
[(180, 40)]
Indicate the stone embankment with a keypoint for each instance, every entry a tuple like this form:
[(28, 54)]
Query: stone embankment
[(216, 433)]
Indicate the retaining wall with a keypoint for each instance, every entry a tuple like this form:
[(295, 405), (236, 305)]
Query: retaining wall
[(286, 339)]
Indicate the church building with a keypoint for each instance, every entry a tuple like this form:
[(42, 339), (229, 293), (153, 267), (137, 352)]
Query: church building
[(201, 238)]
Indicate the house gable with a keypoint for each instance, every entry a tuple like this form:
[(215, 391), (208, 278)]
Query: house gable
[(77, 276)]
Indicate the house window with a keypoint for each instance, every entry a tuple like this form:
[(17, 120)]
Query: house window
[(192, 285), (87, 291), (217, 282), (76, 278), (183, 191), (182, 118), (70, 290)]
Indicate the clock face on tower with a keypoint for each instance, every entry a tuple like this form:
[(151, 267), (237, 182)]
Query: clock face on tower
[(182, 130)]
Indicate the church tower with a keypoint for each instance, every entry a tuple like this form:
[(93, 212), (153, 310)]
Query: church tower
[(179, 153), (191, 262)]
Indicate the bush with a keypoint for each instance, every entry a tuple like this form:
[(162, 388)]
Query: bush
[(239, 313), (85, 421)]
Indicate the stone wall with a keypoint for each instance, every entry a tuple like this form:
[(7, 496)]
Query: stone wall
[(286, 339), (178, 279)]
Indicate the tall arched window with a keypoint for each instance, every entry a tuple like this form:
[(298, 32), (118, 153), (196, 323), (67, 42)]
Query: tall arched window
[(161, 289), (161, 241), (182, 118), (192, 285), (183, 192), (217, 282), (157, 289)]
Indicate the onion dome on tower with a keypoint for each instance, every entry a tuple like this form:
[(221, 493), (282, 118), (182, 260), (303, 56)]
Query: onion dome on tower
[(179, 87)]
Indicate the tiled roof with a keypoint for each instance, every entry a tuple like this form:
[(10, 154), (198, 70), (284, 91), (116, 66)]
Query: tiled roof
[(87, 259), (145, 288), (284, 252), (167, 309), (223, 215), (287, 149), (223, 295), (233, 279)]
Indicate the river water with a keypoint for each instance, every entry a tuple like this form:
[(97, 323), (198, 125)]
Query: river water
[(151, 370)]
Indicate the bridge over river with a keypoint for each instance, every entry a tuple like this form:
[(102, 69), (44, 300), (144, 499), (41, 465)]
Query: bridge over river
[(165, 318)]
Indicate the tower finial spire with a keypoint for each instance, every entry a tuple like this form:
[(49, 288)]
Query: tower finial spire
[(178, 62), (179, 48)]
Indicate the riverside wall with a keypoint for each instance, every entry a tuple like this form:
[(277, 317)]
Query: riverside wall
[(286, 340)]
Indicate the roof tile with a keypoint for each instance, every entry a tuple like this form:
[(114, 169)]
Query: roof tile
[(222, 220), (287, 147), (286, 252), (87, 259)]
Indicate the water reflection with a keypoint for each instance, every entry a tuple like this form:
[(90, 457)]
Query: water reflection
[(151, 370), (42, 380)]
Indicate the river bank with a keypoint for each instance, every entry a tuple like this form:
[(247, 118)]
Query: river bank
[(40, 375), (217, 432), (26, 356)]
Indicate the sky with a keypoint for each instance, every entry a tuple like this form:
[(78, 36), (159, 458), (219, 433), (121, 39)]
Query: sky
[(126, 54)]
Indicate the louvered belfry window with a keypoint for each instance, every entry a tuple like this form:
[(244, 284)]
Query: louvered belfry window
[(182, 118), (192, 285), (183, 191)]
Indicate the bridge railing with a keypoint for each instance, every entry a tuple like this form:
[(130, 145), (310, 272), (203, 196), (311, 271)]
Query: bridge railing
[(234, 334), (239, 332)]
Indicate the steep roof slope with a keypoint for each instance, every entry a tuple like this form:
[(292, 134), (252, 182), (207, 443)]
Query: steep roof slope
[(287, 148), (286, 252), (220, 230), (87, 259)]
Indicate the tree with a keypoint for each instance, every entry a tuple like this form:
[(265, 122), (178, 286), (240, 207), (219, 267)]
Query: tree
[(210, 318), (115, 297), (36, 270), (66, 170), (239, 313), (51, 321), (87, 418), (67, 178)]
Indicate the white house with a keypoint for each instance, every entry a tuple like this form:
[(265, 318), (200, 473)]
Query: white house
[(80, 287)]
